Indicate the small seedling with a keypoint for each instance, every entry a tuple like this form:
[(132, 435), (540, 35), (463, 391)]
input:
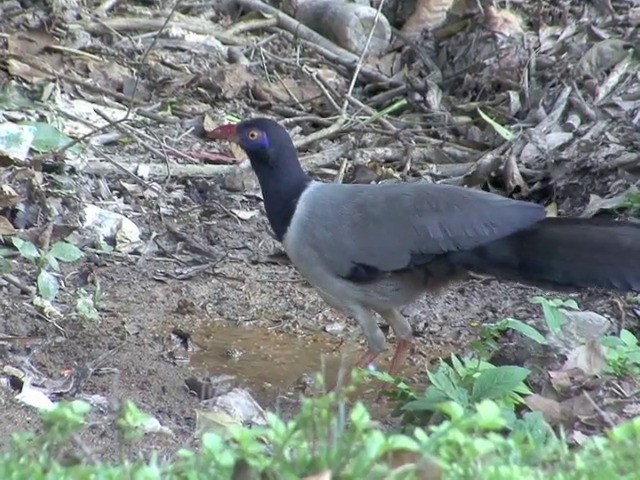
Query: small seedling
[(622, 354)]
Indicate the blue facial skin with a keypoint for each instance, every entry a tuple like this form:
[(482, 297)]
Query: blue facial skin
[(275, 161)]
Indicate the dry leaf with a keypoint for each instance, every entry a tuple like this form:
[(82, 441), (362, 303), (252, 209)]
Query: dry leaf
[(602, 56), (589, 358), (427, 14), (503, 22), (6, 228), (244, 214), (426, 468), (553, 411), (8, 196), (562, 380)]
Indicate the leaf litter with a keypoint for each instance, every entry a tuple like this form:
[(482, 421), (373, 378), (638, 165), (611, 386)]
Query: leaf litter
[(535, 102)]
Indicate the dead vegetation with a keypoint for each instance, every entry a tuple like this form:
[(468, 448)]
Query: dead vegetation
[(540, 102)]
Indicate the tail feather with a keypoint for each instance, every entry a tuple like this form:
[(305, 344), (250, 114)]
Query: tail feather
[(565, 252)]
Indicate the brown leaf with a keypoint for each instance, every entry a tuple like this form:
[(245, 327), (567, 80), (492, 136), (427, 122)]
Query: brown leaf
[(503, 22), (426, 468), (6, 228), (31, 45), (427, 14), (562, 380), (589, 358), (8, 196), (230, 81), (553, 411)]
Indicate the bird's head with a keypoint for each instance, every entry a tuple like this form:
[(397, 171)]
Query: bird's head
[(264, 140)]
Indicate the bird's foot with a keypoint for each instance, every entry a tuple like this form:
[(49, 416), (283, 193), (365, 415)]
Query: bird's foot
[(363, 362), (400, 356)]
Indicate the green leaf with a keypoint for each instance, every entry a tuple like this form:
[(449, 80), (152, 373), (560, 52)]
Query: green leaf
[(628, 338), (52, 262), (489, 415), (445, 380), (526, 330), (47, 285), (66, 252), (27, 249), (458, 366), (497, 382), (48, 138), (553, 316), (500, 130)]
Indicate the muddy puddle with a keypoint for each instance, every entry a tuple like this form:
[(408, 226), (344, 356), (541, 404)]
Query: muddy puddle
[(267, 360), (273, 364)]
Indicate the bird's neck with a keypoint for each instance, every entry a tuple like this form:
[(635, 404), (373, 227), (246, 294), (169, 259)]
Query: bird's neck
[(282, 182)]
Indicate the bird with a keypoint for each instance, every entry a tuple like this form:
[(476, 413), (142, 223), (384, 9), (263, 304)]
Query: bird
[(374, 248)]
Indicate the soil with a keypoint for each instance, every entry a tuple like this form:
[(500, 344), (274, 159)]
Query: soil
[(237, 309)]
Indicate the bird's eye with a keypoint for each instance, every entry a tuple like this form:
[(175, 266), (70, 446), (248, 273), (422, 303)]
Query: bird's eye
[(253, 134)]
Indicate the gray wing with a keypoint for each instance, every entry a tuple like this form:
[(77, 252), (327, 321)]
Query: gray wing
[(388, 226)]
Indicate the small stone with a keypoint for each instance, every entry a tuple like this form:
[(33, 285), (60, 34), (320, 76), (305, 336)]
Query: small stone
[(334, 328)]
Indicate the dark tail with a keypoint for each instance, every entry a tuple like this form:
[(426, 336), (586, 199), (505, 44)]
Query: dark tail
[(564, 252)]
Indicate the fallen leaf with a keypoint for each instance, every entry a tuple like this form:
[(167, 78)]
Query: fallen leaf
[(562, 380), (217, 422), (553, 411), (244, 214), (427, 14), (589, 358), (503, 22), (596, 203), (602, 56), (6, 227)]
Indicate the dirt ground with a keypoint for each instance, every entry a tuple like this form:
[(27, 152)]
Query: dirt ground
[(209, 271)]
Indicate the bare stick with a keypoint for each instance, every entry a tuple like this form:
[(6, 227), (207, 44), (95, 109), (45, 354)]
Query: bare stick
[(360, 62)]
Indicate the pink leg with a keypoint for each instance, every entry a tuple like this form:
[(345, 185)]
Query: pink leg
[(400, 356)]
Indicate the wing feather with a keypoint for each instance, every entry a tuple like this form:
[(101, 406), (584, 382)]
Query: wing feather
[(389, 226)]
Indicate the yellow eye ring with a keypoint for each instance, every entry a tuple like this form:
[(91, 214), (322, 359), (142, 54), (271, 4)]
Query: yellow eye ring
[(253, 134)]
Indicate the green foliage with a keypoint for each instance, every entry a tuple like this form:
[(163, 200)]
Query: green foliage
[(622, 354), (47, 263), (327, 435), (552, 309), (459, 387), (488, 344), (632, 202)]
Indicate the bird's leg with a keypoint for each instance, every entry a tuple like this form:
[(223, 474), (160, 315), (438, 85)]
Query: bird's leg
[(404, 336), (375, 339)]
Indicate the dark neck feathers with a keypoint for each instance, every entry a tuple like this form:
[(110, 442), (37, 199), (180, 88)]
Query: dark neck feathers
[(282, 181)]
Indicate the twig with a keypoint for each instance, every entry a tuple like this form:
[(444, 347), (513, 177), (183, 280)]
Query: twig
[(146, 54), (360, 62), (605, 416), (134, 24), (156, 171), (249, 25), (15, 281), (320, 134)]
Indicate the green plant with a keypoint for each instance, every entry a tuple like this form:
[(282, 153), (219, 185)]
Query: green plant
[(488, 344), (482, 442), (87, 305), (622, 354), (47, 263), (552, 310), (465, 382)]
